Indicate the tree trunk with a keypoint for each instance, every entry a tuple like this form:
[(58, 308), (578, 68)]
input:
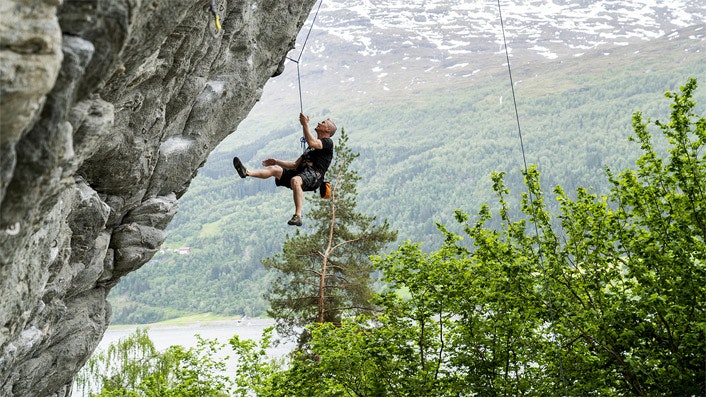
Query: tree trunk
[(329, 244)]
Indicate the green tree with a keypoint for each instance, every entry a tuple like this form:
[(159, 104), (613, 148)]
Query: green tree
[(134, 367), (326, 274), (638, 285), (612, 302), (257, 373)]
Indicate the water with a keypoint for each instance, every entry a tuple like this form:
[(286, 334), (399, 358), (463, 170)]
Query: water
[(185, 335), (165, 336)]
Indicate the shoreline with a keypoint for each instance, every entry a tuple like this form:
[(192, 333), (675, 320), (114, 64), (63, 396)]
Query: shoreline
[(192, 321)]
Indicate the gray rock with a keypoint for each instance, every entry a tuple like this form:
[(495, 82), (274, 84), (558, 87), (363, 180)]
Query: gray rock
[(109, 107)]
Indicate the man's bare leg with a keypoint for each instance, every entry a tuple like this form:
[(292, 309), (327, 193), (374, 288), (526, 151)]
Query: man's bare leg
[(298, 194), (270, 171)]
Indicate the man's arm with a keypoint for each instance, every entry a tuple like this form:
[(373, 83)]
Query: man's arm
[(310, 139), (282, 163)]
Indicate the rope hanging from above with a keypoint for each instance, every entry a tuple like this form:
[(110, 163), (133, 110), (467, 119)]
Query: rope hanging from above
[(296, 61), (536, 228), (302, 140)]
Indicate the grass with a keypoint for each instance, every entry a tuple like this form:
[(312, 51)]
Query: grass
[(210, 230), (181, 321)]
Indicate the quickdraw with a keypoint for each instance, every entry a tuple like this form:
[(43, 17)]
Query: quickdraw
[(216, 19)]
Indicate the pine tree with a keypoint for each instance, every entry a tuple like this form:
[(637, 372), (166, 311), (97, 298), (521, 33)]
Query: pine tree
[(326, 275)]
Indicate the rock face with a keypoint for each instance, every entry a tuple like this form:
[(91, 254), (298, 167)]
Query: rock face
[(108, 108)]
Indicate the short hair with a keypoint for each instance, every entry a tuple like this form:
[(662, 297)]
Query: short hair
[(333, 131)]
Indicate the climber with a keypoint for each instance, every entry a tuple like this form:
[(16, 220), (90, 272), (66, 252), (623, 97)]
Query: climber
[(304, 174)]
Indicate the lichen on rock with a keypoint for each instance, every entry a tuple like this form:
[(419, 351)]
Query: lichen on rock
[(108, 109)]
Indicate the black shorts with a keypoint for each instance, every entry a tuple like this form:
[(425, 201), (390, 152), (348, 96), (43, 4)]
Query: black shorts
[(310, 178)]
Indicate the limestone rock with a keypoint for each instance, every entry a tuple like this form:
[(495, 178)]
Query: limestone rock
[(109, 107)]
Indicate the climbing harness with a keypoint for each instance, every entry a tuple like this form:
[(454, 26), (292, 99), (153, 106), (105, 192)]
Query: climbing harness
[(325, 187), (536, 228)]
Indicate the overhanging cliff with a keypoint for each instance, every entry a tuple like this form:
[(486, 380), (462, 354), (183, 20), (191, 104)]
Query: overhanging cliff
[(108, 108)]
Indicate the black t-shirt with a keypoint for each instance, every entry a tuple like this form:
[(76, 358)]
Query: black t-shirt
[(321, 158)]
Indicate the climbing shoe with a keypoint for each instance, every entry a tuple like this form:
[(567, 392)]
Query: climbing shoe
[(242, 171), (295, 220)]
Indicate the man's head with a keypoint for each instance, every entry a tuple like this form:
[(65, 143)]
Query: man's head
[(326, 127)]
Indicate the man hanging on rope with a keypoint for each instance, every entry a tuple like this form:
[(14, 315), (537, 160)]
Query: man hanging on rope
[(304, 174)]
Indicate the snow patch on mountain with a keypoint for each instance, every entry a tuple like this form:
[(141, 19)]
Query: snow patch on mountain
[(399, 45), (547, 28)]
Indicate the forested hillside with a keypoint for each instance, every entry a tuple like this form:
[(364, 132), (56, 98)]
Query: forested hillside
[(423, 155), (604, 297)]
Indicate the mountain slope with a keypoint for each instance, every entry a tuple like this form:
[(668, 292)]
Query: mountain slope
[(423, 90)]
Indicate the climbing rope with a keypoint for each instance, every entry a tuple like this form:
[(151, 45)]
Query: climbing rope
[(302, 140), (296, 61), (536, 228)]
